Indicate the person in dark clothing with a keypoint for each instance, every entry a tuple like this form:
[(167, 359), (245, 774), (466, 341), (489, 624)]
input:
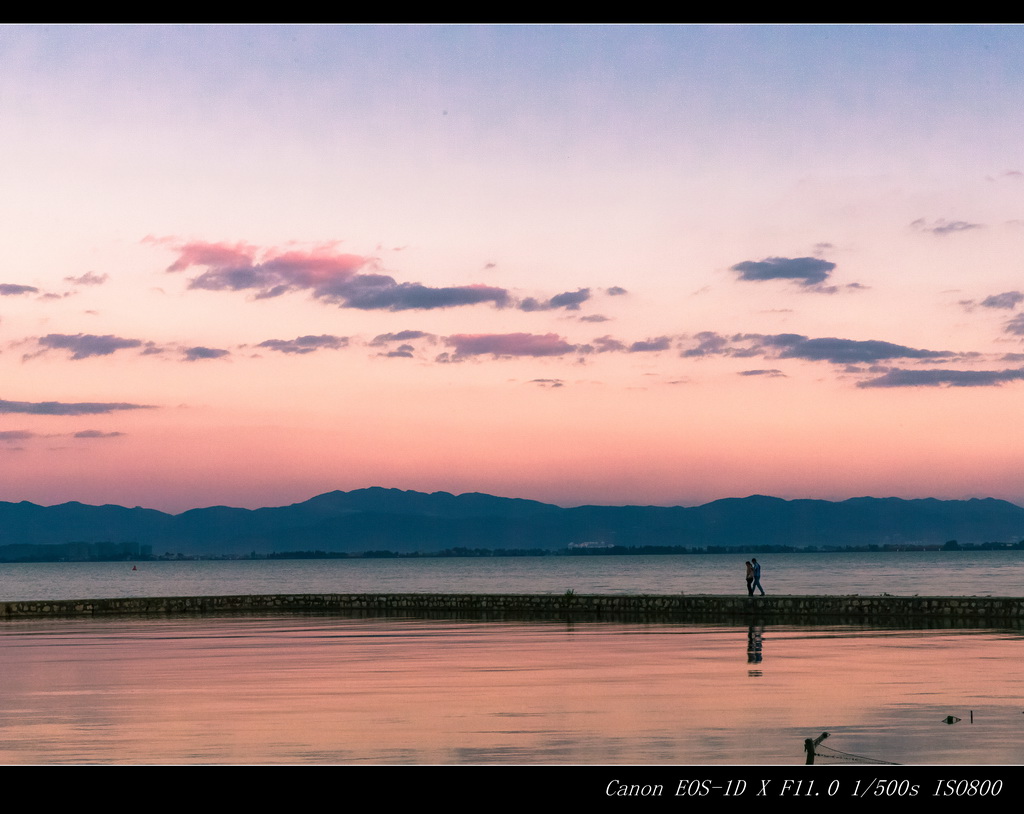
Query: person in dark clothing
[(757, 577), (750, 578)]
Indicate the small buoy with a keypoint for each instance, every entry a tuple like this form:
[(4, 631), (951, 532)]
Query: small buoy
[(951, 719)]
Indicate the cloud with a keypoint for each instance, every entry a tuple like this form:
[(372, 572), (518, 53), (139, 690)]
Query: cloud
[(24, 435), (198, 352), (609, 344), (547, 382), (16, 435), (949, 378), (795, 346), (942, 227), (380, 292), (400, 336), (13, 290), (772, 373), (844, 351), (1008, 300), (83, 346), (89, 278), (569, 300), (1015, 326), (807, 270), (67, 408), (595, 318), (242, 267), (649, 345), (605, 344), (616, 291), (709, 343), (305, 344), (514, 344), (346, 280), (213, 255)]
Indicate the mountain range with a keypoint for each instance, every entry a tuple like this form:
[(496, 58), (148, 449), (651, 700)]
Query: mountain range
[(406, 521)]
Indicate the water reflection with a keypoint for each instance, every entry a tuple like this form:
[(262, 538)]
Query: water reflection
[(755, 636), (324, 689)]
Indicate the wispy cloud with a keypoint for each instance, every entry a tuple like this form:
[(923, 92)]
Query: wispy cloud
[(16, 435), (1015, 326), (400, 336), (198, 353), (305, 344), (11, 436), (67, 408), (89, 278), (650, 345), (1008, 300), (942, 227), (771, 373)]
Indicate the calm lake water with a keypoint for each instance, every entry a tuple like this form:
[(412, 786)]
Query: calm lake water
[(990, 573), (290, 688)]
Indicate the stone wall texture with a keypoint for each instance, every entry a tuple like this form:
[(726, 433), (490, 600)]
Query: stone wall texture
[(957, 609)]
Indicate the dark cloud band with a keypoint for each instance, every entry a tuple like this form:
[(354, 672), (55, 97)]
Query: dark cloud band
[(948, 378)]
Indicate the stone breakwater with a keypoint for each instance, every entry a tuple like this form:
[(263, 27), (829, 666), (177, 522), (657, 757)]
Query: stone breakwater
[(808, 609)]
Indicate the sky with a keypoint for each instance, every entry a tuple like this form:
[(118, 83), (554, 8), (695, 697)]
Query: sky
[(657, 265)]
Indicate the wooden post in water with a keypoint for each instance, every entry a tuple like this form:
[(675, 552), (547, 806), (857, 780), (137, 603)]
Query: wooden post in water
[(809, 745)]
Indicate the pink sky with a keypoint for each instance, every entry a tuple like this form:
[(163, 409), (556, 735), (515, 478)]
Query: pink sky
[(657, 265)]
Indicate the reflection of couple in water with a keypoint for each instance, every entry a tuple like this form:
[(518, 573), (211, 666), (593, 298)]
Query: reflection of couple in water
[(753, 576)]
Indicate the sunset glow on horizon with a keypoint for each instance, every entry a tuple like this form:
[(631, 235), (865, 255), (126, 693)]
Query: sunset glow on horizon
[(653, 265)]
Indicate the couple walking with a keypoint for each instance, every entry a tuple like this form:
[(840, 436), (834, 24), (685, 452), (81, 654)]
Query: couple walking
[(754, 577)]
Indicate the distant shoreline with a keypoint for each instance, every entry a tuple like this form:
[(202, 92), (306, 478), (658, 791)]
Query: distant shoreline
[(60, 553)]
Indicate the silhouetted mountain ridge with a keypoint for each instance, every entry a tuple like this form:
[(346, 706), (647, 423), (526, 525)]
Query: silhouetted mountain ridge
[(377, 518)]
